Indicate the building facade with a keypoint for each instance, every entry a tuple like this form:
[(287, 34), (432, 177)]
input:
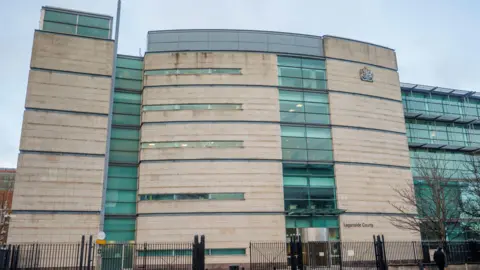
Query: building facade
[(238, 135)]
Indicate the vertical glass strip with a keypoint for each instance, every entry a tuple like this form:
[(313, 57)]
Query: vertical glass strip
[(121, 207)]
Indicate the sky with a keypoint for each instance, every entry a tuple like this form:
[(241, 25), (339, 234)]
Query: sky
[(436, 41)]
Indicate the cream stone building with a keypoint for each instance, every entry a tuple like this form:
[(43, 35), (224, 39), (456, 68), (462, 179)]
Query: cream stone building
[(240, 135)]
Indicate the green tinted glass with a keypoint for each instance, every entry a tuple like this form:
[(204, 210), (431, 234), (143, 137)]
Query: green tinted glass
[(120, 133), (318, 132), (122, 108), (120, 236), (94, 22), (59, 27), (119, 208), (295, 181), (128, 84), (127, 98), (118, 171), (317, 118), (314, 84), (121, 196), (127, 120), (129, 63), (123, 157), (321, 182), (289, 61), (290, 95), (226, 251), (122, 183), (55, 16), (291, 131), (316, 74), (119, 224), (124, 145), (313, 63), (227, 196), (315, 97), (290, 82), (93, 32), (289, 72), (126, 73)]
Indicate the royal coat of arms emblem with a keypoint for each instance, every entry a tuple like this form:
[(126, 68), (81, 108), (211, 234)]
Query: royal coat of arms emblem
[(366, 75)]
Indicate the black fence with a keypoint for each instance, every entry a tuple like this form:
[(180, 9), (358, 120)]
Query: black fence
[(370, 254), (86, 255), (293, 254)]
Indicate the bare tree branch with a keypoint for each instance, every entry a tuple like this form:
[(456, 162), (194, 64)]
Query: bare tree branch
[(434, 206)]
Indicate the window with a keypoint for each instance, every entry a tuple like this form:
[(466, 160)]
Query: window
[(306, 143), (452, 161), (443, 133), (193, 196), (434, 105), (309, 189), (188, 252), (179, 107), (197, 71), (129, 74), (76, 24), (194, 144), (301, 73), (304, 107)]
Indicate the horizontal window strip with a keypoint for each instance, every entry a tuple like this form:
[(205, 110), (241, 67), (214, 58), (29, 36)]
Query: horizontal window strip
[(188, 252), (126, 73), (65, 212), (64, 111), (129, 98), (25, 151), (303, 96), (77, 19), (193, 71), (264, 213), (69, 72), (192, 196), (194, 144), (130, 63), (199, 106), (301, 62), (77, 30)]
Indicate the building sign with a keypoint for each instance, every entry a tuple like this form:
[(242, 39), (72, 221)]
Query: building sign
[(358, 225), (366, 75)]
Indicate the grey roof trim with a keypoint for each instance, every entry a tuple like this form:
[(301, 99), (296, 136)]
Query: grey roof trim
[(236, 30), (354, 40), (131, 57), (72, 11), (438, 90), (266, 32)]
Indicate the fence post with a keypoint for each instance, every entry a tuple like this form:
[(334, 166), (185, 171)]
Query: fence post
[(195, 253), (90, 239), (82, 243), (201, 254), (414, 252), (299, 253), (385, 264), (144, 255)]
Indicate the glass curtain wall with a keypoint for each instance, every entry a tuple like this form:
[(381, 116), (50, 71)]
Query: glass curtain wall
[(75, 23), (120, 207), (448, 121), (308, 178)]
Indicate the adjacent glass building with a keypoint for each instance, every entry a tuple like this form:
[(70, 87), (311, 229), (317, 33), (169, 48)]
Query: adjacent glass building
[(239, 135)]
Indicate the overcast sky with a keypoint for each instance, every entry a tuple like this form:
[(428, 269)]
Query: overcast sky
[(437, 41)]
